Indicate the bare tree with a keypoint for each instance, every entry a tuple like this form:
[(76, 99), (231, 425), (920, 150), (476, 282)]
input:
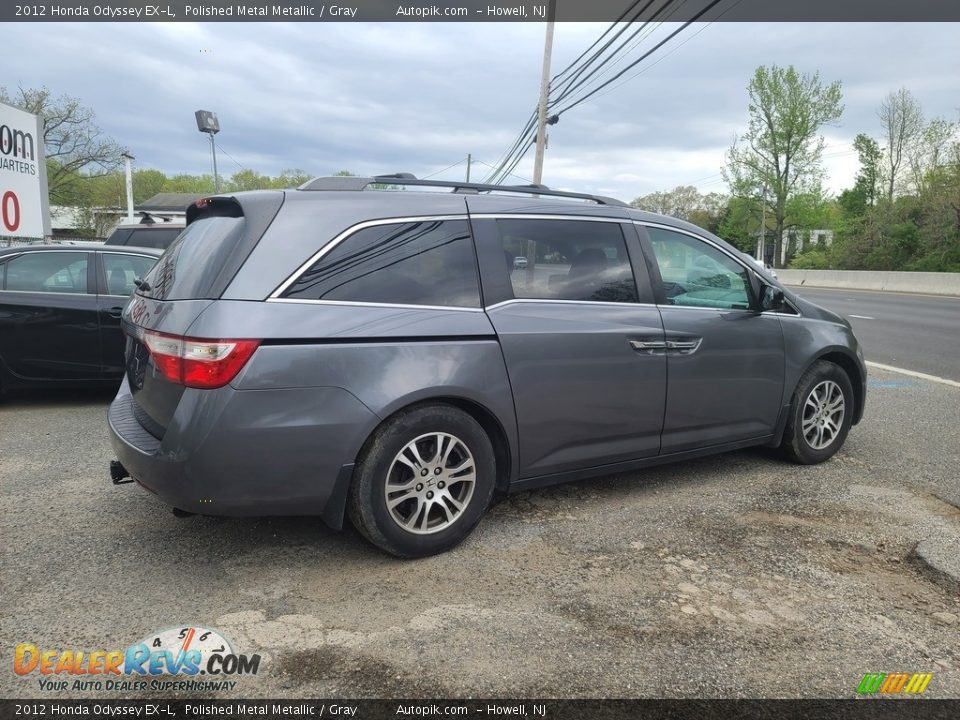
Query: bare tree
[(929, 152), (902, 122), (72, 140)]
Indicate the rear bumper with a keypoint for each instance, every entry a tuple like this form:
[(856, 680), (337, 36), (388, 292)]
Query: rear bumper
[(246, 453)]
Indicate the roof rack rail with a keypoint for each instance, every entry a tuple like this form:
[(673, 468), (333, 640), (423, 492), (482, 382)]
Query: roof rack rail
[(351, 182)]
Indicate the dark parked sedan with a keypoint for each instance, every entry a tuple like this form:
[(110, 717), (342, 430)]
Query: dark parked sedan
[(60, 311)]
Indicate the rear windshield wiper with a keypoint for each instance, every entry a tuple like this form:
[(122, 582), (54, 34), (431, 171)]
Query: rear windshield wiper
[(141, 284)]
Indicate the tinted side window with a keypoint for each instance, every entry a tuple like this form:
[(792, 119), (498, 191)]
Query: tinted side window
[(60, 272), (121, 270), (430, 262), (697, 274), (567, 260)]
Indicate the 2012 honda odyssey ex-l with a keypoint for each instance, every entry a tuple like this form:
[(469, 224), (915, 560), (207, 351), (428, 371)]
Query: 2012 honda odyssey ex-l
[(342, 350)]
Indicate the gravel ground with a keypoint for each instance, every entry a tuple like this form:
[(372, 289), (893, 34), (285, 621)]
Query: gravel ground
[(733, 576)]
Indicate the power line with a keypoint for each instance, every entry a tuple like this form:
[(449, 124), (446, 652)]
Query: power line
[(521, 144), (526, 180), (670, 52), (458, 162), (563, 87), (230, 156), (517, 144), (643, 57), (572, 84), (569, 67)]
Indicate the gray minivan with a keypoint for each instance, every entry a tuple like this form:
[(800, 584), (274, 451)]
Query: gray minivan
[(344, 349)]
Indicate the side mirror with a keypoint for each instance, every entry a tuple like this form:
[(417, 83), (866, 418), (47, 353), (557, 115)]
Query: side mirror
[(771, 298)]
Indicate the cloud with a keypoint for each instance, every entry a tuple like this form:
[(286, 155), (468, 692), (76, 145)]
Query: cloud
[(419, 97)]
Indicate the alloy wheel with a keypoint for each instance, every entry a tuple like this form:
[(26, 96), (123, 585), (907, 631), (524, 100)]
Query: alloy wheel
[(823, 412), (430, 483)]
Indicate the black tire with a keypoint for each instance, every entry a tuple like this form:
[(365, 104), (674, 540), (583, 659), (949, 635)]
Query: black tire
[(367, 504), (796, 446)]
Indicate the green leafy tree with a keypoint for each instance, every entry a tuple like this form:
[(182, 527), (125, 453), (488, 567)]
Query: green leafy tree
[(781, 149), (291, 178), (248, 180), (146, 184), (185, 183), (740, 222)]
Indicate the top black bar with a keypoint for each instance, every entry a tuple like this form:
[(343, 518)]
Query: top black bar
[(481, 11), (352, 182)]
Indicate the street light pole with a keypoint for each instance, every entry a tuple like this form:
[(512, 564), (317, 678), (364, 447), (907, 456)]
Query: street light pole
[(207, 122), (544, 96), (216, 175)]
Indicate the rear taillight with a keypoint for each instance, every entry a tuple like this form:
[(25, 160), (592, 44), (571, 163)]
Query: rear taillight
[(196, 362)]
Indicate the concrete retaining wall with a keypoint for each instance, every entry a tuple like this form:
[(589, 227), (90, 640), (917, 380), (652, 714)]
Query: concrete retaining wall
[(931, 283)]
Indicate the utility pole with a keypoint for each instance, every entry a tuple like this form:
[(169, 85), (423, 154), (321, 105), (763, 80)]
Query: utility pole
[(544, 95), (127, 161), (762, 240), (469, 160)]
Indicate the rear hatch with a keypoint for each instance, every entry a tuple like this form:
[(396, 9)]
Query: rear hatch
[(162, 359)]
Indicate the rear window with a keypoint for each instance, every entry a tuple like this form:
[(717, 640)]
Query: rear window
[(430, 262), (118, 237), (158, 238), (189, 267)]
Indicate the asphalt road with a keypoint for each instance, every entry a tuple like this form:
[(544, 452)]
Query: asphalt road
[(733, 576), (915, 332)]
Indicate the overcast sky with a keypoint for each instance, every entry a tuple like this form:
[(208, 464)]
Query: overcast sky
[(418, 97)]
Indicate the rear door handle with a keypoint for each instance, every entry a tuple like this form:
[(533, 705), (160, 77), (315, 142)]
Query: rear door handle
[(115, 312)]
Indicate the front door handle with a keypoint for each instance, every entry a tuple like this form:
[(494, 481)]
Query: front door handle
[(684, 347), (675, 346), (649, 347), (115, 312)]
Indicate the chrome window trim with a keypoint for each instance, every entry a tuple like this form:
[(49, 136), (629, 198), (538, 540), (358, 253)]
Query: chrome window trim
[(551, 216), (694, 235), (709, 242), (275, 295), (44, 292), (358, 303), (712, 309), (131, 254), (66, 248), (552, 301), (547, 216)]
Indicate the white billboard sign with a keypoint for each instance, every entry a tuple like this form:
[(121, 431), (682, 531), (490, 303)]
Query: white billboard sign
[(24, 210)]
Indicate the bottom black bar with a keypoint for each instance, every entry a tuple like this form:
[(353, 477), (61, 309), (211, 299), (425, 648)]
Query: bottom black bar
[(866, 709)]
